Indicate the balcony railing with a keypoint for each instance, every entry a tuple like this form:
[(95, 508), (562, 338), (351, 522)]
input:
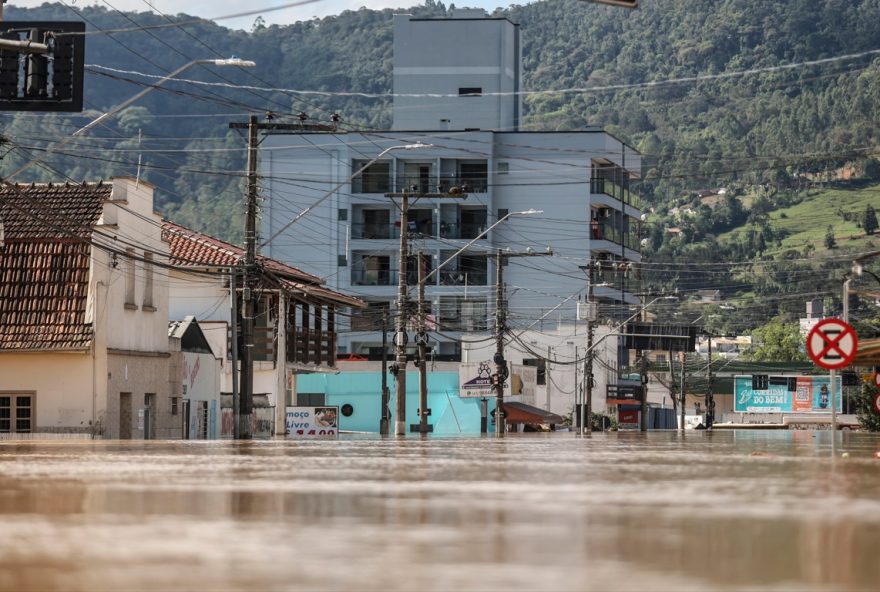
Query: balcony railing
[(374, 231), (307, 346), (608, 232), (605, 186), (303, 346), (439, 184), (463, 278), (372, 277), (456, 230)]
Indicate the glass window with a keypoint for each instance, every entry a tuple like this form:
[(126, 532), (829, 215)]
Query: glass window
[(16, 414), (375, 178)]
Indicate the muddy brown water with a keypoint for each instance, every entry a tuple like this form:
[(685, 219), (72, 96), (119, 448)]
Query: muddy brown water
[(723, 510)]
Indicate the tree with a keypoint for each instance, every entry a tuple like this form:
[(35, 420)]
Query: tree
[(777, 341), (830, 242), (868, 416), (869, 220)]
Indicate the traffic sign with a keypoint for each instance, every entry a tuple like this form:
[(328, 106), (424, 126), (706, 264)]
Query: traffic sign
[(877, 379), (877, 403), (832, 344)]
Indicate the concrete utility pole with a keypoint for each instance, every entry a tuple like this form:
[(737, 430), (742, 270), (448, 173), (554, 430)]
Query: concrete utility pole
[(233, 294), (383, 421), (672, 383), (400, 335), (250, 274), (643, 376), (588, 363), (249, 282), (422, 351), (710, 398), (501, 369), (682, 357)]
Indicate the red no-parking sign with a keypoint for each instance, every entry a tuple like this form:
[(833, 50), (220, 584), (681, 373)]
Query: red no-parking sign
[(832, 344), (877, 403)]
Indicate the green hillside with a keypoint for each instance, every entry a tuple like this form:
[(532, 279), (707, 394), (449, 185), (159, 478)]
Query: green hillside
[(745, 94)]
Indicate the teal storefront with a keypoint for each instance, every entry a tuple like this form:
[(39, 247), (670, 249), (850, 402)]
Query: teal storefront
[(450, 414)]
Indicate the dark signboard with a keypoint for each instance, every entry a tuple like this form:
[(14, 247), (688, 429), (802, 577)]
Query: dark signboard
[(660, 336), (42, 81)]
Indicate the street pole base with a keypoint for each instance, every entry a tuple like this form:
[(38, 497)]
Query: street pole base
[(418, 428), (399, 428)]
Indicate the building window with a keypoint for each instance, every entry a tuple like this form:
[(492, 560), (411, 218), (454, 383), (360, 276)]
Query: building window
[(310, 399), (175, 404), (129, 279), (376, 178), (343, 214), (470, 91), (16, 413), (541, 365), (148, 282), (341, 261)]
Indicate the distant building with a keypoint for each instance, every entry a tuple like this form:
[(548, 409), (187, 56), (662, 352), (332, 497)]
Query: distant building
[(456, 83), (196, 395)]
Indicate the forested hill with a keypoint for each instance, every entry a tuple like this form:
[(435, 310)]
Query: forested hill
[(750, 128)]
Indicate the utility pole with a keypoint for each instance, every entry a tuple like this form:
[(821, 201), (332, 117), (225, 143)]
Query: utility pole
[(250, 272), (643, 375), (672, 383), (400, 335), (422, 352), (588, 363), (383, 421), (710, 398), (500, 363), (682, 357), (233, 293), (246, 401), (501, 369)]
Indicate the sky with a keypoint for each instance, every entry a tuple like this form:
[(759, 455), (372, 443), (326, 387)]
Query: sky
[(216, 8)]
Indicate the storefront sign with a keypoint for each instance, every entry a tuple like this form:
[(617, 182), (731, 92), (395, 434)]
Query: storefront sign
[(476, 380), (811, 394), (312, 422)]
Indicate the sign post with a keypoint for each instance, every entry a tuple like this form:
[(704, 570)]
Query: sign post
[(832, 345)]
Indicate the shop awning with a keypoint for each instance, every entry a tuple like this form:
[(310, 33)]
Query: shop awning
[(522, 413)]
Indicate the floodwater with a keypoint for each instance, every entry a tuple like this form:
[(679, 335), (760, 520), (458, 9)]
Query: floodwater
[(722, 510)]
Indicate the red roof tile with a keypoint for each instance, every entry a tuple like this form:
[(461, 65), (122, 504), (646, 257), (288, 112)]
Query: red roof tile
[(44, 264), (191, 248)]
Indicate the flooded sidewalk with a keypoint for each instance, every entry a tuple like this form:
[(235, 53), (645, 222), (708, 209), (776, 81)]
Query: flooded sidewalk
[(617, 511)]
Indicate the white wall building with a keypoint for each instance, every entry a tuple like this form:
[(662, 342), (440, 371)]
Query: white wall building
[(580, 179)]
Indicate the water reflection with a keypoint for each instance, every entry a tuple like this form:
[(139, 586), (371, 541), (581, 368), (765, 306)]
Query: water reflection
[(612, 511)]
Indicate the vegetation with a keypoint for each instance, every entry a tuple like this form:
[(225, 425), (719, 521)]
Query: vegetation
[(777, 341), (793, 148), (869, 418)]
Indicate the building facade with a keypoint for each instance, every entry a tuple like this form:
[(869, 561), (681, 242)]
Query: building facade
[(457, 83)]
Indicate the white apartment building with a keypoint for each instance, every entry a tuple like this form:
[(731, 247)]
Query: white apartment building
[(456, 83)]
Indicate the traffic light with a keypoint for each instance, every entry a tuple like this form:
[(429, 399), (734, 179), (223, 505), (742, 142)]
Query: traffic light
[(760, 382), (47, 80)]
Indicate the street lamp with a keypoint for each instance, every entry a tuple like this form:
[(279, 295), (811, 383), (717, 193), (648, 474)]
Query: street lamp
[(55, 147), (339, 185)]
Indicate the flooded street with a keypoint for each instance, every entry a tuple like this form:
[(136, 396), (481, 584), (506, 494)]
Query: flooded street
[(723, 510)]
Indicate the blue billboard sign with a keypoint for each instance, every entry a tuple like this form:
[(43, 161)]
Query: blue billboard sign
[(786, 394)]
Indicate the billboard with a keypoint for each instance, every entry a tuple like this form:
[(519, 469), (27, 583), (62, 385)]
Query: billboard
[(475, 380), (312, 422), (786, 394)]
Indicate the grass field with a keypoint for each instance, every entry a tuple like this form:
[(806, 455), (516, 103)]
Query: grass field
[(807, 222)]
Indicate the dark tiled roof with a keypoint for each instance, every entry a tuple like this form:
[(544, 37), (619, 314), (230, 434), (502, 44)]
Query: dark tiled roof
[(44, 264)]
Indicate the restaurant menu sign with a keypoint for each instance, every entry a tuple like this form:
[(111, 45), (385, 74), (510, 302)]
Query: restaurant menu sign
[(312, 422)]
